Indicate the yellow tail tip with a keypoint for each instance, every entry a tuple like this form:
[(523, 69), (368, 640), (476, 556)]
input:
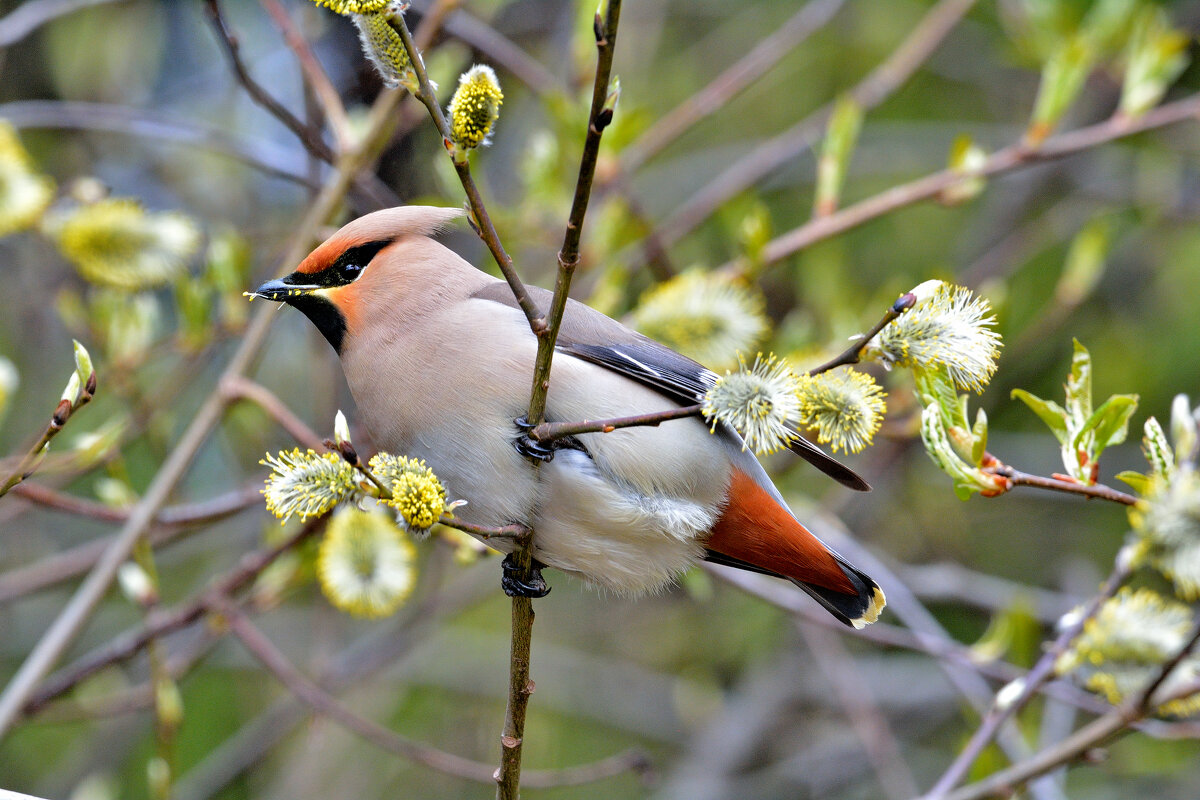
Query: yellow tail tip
[(878, 601)]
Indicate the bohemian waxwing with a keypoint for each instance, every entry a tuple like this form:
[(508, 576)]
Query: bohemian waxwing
[(440, 359)]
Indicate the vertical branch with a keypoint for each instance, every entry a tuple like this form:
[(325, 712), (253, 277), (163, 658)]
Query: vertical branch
[(568, 257), (519, 686)]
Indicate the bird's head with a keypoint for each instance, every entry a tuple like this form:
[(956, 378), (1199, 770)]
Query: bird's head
[(330, 283)]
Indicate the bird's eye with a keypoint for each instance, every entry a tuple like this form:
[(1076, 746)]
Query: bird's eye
[(348, 272)]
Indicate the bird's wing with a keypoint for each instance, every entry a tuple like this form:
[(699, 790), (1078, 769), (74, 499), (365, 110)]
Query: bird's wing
[(591, 336)]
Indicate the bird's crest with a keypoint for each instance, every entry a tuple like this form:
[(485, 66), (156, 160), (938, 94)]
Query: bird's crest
[(381, 228)]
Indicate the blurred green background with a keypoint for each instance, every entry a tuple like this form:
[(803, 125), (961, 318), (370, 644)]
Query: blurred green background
[(720, 689)]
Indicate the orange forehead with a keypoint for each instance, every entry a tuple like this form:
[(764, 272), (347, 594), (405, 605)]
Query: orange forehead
[(329, 250)]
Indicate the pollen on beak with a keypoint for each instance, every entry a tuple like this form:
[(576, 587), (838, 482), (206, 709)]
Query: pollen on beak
[(280, 291)]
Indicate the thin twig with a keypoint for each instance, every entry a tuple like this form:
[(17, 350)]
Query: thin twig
[(930, 186), (599, 117), (549, 431), (29, 462), (1042, 671), (520, 687), (1098, 490), (481, 220), (853, 353)]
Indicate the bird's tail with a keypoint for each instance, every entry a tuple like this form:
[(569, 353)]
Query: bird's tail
[(755, 532)]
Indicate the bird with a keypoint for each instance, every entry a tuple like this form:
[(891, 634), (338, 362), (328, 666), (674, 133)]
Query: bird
[(439, 356)]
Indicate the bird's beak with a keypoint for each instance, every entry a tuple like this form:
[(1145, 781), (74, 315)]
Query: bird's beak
[(280, 290)]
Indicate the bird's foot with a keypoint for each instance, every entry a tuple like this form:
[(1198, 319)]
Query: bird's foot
[(515, 584), (529, 447)]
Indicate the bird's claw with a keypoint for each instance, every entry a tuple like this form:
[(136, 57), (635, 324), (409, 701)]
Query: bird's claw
[(529, 447), (515, 584)]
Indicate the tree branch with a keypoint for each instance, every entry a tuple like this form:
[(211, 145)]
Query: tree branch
[(481, 220), (549, 431), (171, 522), (1006, 160), (1042, 671), (1097, 490), (161, 623), (853, 353), (29, 462)]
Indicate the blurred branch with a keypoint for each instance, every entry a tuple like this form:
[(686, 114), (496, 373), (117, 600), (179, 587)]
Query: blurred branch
[(943, 648), (811, 17), (1004, 782), (160, 623), (70, 621), (233, 51), (314, 74), (1042, 671), (70, 563), (950, 581), (1006, 160), (499, 49), (869, 722), (867, 94), (448, 763), (310, 138), (239, 387), (76, 115), (33, 14)]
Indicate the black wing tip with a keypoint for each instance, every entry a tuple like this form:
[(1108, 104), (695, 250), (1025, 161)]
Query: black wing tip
[(828, 464)]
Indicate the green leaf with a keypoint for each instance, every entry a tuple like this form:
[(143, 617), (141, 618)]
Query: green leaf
[(980, 434), (1079, 386), (1050, 412), (1139, 482), (936, 386), (1109, 424)]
